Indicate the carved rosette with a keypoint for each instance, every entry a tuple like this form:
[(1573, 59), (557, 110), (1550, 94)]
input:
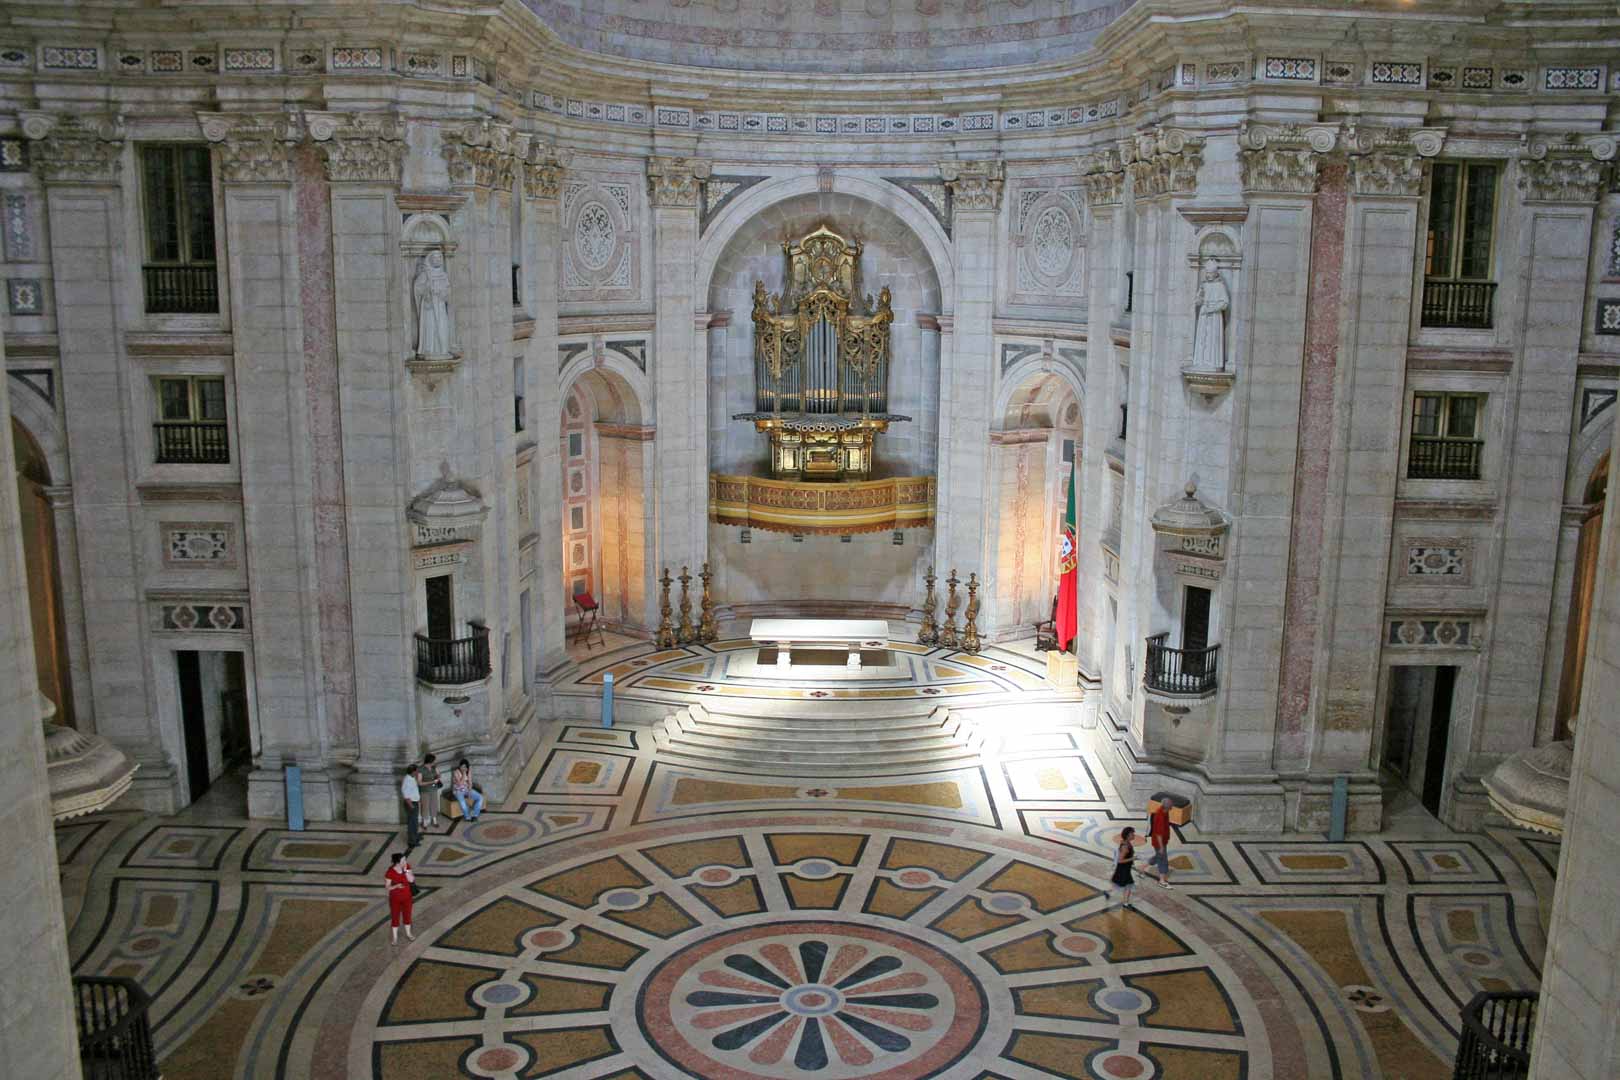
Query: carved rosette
[(974, 185), (1568, 172), (674, 181), (481, 154), (1103, 175), (359, 147), (82, 149), (1163, 161)]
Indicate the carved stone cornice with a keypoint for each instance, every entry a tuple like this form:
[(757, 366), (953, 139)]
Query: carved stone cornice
[(974, 185), (1283, 160), (79, 149), (1574, 170), (673, 181), (481, 154), (1162, 161), (360, 148), (543, 169), (254, 148), (1103, 175)]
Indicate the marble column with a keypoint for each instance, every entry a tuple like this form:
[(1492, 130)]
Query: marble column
[(962, 538), (1576, 1034), (253, 162), (679, 372), (543, 171), (1552, 238), (354, 340), (81, 163), (1364, 244), (37, 1034)]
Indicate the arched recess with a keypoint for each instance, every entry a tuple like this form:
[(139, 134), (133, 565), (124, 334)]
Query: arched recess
[(1035, 441), (1594, 498), (606, 450), (43, 566)]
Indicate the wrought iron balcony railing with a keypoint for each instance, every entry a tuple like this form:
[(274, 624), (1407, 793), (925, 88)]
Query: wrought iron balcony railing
[(182, 290), (452, 661), (1462, 305), (115, 1036), (1193, 672), (191, 443), (1496, 1031), (1443, 459)]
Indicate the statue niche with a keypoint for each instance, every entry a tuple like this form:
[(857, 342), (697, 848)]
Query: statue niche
[(821, 363)]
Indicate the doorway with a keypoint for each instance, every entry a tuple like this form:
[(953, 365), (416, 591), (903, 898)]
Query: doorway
[(441, 612), (1417, 732), (213, 716)]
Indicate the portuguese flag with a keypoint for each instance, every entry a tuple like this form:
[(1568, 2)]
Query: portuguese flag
[(1069, 583)]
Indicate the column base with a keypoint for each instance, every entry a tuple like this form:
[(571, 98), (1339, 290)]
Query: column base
[(324, 793)]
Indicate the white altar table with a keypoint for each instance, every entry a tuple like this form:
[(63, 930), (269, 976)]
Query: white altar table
[(850, 634)]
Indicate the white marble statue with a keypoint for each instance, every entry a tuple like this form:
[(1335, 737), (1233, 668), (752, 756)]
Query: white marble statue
[(1209, 335), (431, 292)]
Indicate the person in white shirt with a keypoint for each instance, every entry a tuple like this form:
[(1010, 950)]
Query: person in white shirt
[(412, 794)]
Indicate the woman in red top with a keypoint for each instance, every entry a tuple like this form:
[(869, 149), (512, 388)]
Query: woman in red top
[(399, 880), (1159, 836)]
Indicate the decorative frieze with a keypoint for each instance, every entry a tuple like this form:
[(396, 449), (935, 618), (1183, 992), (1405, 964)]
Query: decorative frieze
[(672, 182), (253, 148), (78, 149), (1163, 161), (1432, 631), (204, 545), (1439, 560), (974, 185), (359, 147), (481, 154), (201, 614)]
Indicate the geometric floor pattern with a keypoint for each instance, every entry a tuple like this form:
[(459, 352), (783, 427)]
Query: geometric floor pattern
[(620, 916)]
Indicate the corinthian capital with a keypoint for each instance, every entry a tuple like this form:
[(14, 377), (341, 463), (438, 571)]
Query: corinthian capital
[(80, 149), (1163, 161), (974, 185), (673, 181), (359, 147), (254, 148), (543, 169), (1573, 170), (481, 154), (1283, 159), (1388, 162), (1104, 177)]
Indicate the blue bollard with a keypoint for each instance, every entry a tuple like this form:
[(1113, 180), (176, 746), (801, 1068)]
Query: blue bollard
[(295, 798), (607, 700), (1341, 807)]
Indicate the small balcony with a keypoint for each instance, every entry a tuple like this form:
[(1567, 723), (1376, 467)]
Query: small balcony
[(182, 290), (192, 443), (1496, 1030), (1443, 459), (453, 661), (1458, 305), (1180, 672)]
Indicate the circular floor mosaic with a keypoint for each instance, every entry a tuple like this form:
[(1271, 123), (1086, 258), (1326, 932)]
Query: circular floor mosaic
[(824, 947)]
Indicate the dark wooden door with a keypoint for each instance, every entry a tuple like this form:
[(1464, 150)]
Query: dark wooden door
[(192, 722), (441, 614), (1434, 766)]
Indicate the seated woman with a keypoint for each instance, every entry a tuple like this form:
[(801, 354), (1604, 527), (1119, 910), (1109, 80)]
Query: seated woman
[(461, 786)]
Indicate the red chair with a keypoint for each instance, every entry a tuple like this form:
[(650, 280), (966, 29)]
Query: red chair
[(587, 607)]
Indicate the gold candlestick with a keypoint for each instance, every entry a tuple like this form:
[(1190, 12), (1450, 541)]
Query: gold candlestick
[(928, 633), (947, 631), (684, 633), (707, 629), (970, 629), (666, 629)]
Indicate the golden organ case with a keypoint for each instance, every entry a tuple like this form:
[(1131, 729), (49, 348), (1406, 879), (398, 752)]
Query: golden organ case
[(821, 363)]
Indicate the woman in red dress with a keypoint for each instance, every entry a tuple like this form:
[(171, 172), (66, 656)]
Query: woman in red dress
[(399, 880)]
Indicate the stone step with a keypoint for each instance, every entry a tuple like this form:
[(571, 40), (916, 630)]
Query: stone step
[(792, 767), (812, 750), (697, 737)]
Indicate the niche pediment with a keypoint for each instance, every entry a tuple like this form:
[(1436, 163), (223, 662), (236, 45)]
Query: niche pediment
[(449, 512)]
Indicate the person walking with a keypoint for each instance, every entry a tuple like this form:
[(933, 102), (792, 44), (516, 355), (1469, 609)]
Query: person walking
[(399, 881), (412, 794), (1124, 856), (461, 786), (1159, 837), (431, 785)]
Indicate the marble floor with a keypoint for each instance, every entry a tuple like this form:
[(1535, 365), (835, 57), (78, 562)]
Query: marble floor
[(902, 875)]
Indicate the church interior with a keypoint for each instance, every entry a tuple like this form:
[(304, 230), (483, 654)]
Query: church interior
[(962, 539)]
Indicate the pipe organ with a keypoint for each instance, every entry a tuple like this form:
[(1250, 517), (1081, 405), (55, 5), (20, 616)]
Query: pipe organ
[(821, 363)]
